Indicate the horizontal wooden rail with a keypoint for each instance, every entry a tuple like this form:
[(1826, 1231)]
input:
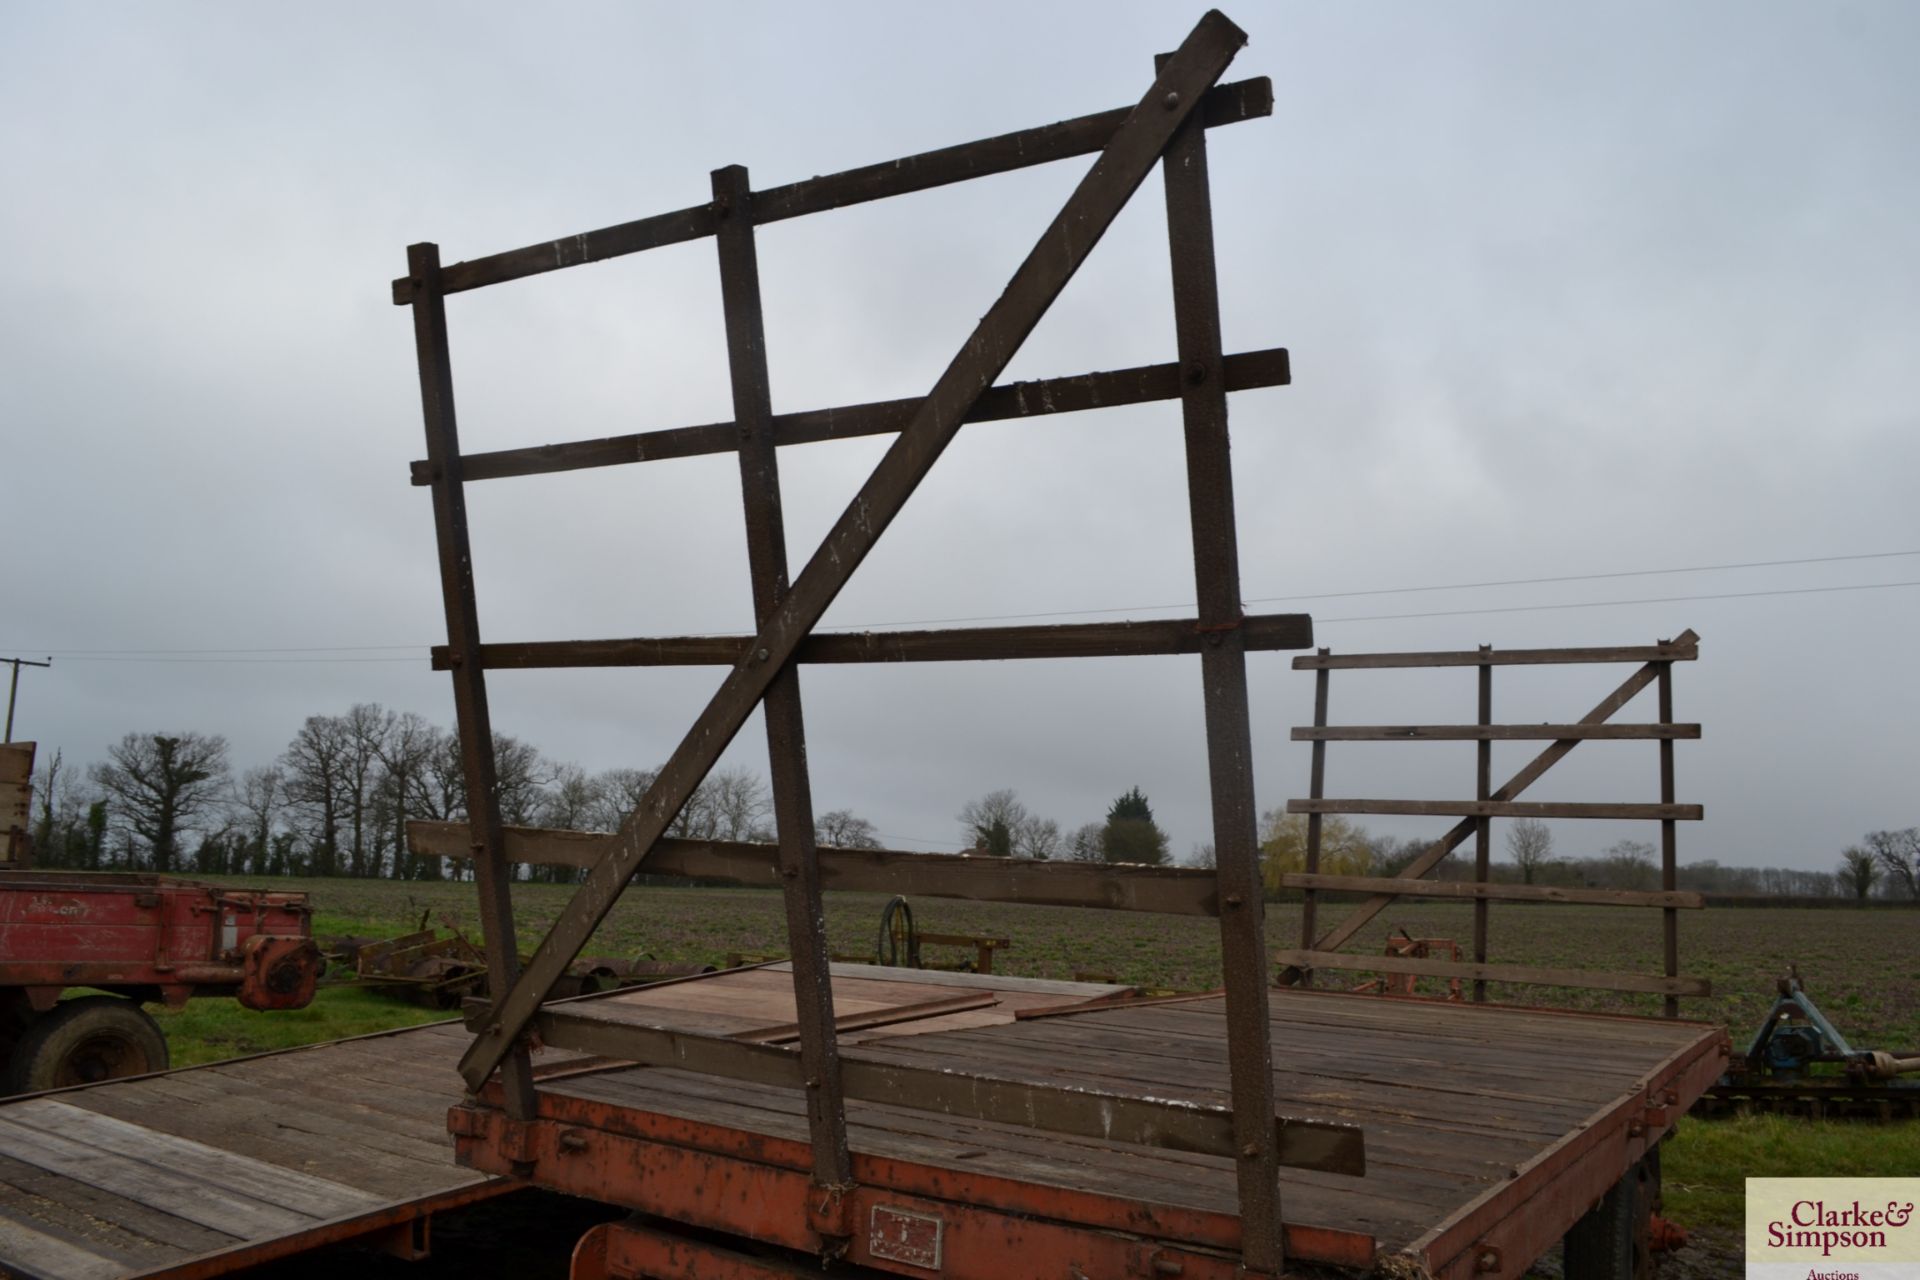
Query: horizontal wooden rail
[(1142, 384), (1500, 809), (1652, 984), (1224, 104), (1678, 651), (1186, 891), (1082, 1112), (1487, 732), (971, 644), (1500, 892)]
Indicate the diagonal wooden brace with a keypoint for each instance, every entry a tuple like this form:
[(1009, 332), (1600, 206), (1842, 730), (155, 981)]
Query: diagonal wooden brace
[(1135, 149)]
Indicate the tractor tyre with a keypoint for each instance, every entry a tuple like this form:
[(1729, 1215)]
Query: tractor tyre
[(85, 1041)]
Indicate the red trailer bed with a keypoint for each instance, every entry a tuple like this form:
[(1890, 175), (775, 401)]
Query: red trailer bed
[(136, 939), (1490, 1131)]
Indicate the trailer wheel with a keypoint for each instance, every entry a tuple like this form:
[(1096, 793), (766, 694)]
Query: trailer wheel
[(86, 1040)]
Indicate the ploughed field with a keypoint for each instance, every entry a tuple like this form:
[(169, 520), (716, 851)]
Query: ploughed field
[(1860, 966)]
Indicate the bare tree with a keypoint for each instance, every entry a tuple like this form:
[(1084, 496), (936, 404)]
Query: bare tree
[(1629, 864), (1898, 853), (573, 800), (843, 829), (990, 822), (1037, 838), (740, 806), (440, 794), (1530, 845), (315, 763), (364, 726), (158, 784), (571, 803), (619, 794), (1203, 856), (407, 746), (46, 787), (1086, 844), (257, 802), (521, 776)]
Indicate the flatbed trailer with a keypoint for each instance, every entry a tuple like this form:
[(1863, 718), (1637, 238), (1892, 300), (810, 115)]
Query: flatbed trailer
[(1491, 1132), (1247, 1133), (209, 1170)]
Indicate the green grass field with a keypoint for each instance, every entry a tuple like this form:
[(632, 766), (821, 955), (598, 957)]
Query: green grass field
[(1861, 967)]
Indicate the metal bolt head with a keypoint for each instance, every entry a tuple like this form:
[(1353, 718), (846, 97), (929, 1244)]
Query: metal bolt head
[(1251, 1151), (761, 655), (1172, 100)]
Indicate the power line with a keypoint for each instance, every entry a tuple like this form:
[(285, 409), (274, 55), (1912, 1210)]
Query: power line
[(1394, 591), (311, 648), (411, 653), (1602, 604), (418, 656)]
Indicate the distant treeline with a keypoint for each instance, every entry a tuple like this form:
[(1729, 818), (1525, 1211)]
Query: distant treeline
[(337, 801)]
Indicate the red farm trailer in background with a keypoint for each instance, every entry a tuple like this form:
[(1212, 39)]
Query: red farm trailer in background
[(129, 939)]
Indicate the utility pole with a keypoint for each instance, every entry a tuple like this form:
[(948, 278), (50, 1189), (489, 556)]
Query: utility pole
[(13, 688)]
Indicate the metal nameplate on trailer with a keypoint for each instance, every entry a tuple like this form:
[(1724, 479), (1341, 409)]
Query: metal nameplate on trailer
[(901, 1235)]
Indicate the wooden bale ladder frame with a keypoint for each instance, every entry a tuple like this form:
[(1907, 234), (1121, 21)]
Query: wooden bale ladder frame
[(1167, 129), (1476, 817)]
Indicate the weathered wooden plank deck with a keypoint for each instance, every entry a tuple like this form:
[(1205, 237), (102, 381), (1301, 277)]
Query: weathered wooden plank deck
[(1481, 1122), (206, 1170), (1473, 1118)]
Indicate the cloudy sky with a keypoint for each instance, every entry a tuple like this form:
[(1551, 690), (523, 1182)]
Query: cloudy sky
[(1570, 292)]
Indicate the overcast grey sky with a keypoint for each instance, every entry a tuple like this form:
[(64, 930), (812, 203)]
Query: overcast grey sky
[(1568, 290)]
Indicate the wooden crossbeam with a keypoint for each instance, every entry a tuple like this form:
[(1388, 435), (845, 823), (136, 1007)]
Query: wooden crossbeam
[(1083, 135), (1041, 398), (1494, 892), (1262, 632), (1500, 809), (1652, 984), (1482, 732), (1677, 650), (1135, 147), (1187, 891)]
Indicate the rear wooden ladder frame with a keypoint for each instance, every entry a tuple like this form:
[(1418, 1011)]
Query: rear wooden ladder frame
[(1167, 127), (1476, 816)]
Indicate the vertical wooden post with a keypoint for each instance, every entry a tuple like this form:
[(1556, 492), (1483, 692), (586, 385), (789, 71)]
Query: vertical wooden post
[(492, 873), (1669, 840), (1483, 827), (1316, 789), (786, 730), (1223, 672)]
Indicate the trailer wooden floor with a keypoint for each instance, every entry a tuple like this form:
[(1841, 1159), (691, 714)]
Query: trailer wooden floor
[(206, 1170), (1486, 1128)]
